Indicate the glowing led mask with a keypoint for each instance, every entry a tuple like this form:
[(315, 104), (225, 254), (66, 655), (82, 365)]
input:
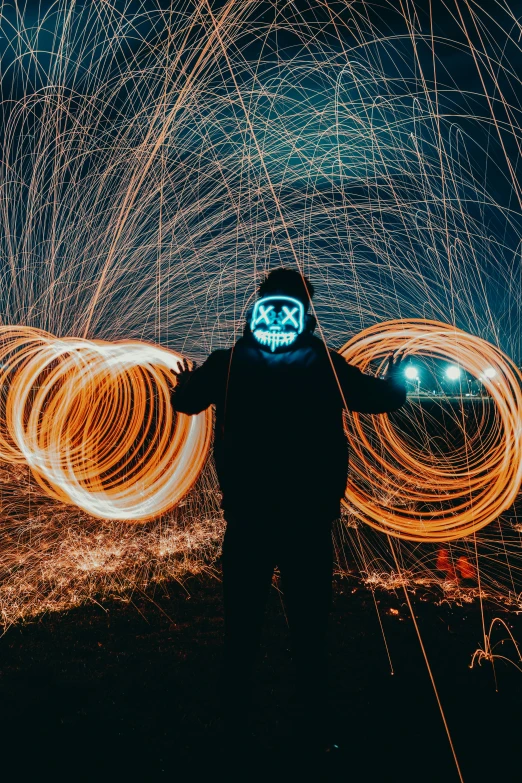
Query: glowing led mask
[(277, 320)]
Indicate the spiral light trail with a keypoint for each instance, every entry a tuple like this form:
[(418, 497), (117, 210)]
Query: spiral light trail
[(94, 422), (475, 483), (156, 158)]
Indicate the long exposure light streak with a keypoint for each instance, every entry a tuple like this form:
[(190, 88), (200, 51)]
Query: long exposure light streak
[(94, 422), (391, 476), (155, 158)]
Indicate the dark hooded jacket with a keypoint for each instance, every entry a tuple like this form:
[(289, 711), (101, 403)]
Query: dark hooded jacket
[(279, 441)]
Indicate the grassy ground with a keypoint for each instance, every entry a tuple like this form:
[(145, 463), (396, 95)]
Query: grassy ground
[(130, 691)]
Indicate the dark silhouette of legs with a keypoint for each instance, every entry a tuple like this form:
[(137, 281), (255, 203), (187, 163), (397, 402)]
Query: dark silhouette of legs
[(248, 566), (306, 563), (302, 548)]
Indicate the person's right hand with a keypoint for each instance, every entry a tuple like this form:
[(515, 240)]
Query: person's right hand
[(182, 372)]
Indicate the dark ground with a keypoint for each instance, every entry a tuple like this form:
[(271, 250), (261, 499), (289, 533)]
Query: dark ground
[(125, 693)]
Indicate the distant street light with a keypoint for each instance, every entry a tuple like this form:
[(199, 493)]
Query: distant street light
[(411, 373), (453, 372)]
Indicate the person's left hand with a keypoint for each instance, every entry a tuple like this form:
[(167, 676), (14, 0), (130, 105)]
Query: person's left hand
[(395, 366)]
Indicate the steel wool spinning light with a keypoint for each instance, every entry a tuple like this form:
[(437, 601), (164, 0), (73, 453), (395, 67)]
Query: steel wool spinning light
[(94, 422), (392, 480)]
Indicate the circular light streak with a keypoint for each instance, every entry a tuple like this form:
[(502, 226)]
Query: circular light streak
[(490, 372), (422, 495), (453, 372), (94, 422)]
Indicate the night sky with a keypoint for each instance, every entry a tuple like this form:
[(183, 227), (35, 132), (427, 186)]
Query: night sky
[(481, 135)]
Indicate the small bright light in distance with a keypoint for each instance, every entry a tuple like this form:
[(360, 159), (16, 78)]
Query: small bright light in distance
[(411, 373), (490, 372), (453, 372)]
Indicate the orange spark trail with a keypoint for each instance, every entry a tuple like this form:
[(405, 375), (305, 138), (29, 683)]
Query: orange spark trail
[(94, 422), (475, 483)]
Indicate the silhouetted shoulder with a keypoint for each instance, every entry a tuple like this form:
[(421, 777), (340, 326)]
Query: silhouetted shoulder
[(203, 387), (365, 393), (218, 358)]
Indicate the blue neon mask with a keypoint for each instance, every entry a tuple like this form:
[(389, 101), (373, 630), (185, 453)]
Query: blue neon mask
[(277, 321)]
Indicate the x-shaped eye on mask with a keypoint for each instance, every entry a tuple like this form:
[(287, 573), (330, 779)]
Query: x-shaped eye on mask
[(264, 314), (289, 315), (277, 321)]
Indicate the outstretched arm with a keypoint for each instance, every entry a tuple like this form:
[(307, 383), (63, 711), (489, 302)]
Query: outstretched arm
[(196, 389), (368, 394)]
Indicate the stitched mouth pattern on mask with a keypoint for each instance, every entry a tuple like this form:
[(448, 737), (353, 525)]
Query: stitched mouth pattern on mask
[(274, 339)]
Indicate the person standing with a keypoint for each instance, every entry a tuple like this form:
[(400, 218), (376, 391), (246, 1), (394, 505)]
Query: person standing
[(281, 457)]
